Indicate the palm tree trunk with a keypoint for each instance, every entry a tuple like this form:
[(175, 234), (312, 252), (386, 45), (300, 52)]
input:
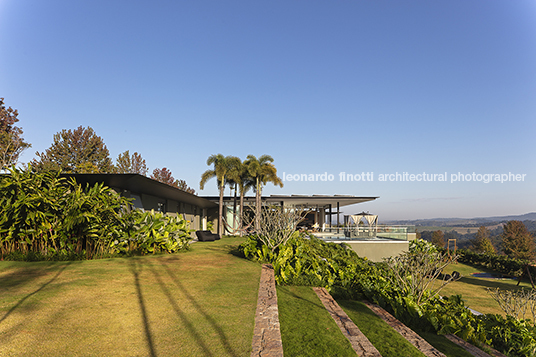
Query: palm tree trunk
[(220, 216), (258, 206), (234, 208), (240, 217)]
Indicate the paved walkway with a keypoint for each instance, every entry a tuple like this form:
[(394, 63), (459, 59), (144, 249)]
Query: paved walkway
[(267, 334)]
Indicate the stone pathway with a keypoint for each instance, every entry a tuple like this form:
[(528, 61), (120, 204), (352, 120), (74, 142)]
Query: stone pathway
[(267, 334), (358, 340), (475, 351), (416, 340)]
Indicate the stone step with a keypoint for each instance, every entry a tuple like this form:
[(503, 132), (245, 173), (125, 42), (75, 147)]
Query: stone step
[(267, 333), (420, 343), (360, 343)]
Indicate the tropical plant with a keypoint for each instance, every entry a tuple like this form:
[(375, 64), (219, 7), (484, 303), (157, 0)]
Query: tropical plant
[(516, 302), (414, 272), (154, 232), (222, 167), (239, 177), (11, 142), (278, 224), (47, 217), (261, 171)]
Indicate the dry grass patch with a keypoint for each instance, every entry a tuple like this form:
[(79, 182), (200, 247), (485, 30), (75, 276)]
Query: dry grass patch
[(198, 303)]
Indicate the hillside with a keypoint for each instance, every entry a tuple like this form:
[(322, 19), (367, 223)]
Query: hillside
[(464, 222)]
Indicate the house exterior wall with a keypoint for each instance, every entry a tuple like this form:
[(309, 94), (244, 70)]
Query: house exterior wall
[(377, 251)]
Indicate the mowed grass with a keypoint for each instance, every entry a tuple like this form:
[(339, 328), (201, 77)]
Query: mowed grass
[(386, 340), (474, 290), (307, 329), (197, 303)]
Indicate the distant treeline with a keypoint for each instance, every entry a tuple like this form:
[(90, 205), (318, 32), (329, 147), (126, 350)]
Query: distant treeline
[(465, 241)]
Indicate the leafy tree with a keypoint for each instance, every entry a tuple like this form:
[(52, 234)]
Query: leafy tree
[(438, 238), (11, 142), (130, 164), (262, 171), (223, 165), (75, 151), (182, 185), (165, 176), (482, 242), (517, 242)]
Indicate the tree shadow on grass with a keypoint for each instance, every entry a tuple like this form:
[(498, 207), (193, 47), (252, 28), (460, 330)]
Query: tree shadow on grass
[(489, 283), (23, 275), (287, 291), (221, 334), (135, 268), (173, 302), (21, 301)]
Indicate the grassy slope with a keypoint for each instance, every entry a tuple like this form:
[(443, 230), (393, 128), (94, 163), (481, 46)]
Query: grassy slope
[(307, 329), (388, 342), (473, 290), (198, 303)]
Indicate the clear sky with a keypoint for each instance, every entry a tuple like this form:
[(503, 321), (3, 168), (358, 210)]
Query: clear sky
[(353, 86)]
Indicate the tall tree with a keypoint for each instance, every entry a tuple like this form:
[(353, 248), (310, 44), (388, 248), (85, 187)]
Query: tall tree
[(222, 166), (182, 185), (482, 242), (517, 242), (130, 164), (165, 176), (261, 171), (75, 151), (438, 239), (11, 142)]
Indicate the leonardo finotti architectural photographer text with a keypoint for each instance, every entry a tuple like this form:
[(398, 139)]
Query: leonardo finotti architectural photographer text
[(406, 177)]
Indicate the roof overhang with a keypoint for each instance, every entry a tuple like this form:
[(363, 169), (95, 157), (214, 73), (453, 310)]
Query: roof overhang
[(139, 184), (304, 200)]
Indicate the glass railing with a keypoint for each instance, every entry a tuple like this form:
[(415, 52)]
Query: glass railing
[(362, 232)]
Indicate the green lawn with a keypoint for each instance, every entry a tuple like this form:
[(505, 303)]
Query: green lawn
[(198, 303), (307, 329), (473, 289), (386, 340)]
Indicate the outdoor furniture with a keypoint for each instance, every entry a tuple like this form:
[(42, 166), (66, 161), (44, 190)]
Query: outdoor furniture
[(206, 236)]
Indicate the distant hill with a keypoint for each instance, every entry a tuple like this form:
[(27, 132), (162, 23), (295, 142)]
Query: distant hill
[(464, 222)]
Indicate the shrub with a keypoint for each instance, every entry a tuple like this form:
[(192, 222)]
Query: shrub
[(46, 217)]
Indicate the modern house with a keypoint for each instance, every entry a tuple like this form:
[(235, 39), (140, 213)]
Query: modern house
[(361, 232), (149, 194)]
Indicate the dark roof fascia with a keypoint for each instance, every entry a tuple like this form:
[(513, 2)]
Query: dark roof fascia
[(343, 200), (139, 184)]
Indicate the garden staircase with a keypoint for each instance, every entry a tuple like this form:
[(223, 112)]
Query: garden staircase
[(267, 336)]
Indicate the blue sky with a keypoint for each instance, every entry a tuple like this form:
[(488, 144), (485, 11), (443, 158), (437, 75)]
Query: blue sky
[(323, 87)]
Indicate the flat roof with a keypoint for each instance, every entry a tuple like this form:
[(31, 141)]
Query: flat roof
[(137, 184), (305, 200)]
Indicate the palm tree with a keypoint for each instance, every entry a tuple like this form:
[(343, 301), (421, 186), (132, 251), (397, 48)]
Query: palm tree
[(242, 181), (262, 171), (222, 166)]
